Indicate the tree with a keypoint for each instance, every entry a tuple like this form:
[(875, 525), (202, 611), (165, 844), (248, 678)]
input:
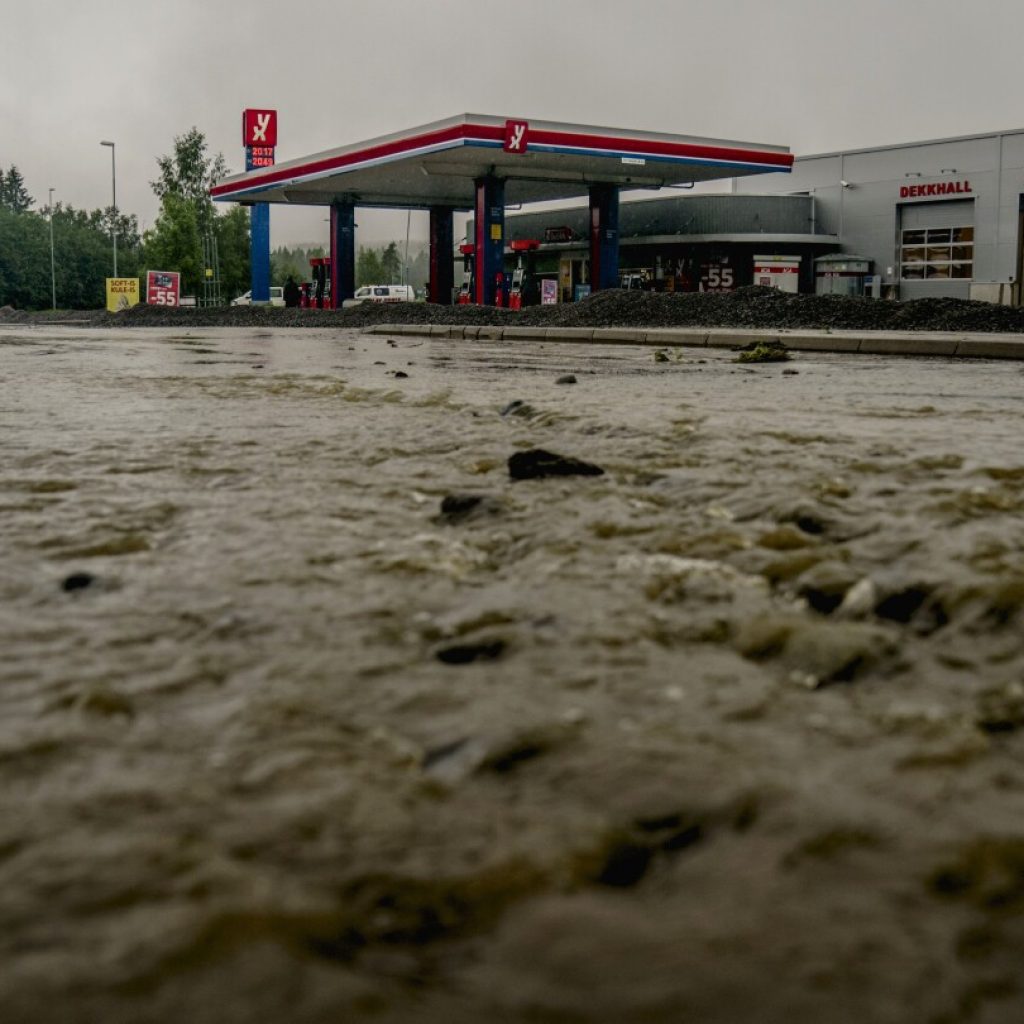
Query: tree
[(175, 242), (13, 194), (24, 260), (285, 263), (187, 216), (232, 229), (391, 264), (418, 273), (82, 250), (190, 173), (368, 267)]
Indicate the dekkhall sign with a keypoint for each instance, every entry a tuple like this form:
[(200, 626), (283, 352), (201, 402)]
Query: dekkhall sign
[(936, 189)]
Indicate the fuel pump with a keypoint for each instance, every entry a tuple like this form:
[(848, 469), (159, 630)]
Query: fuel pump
[(523, 277), (468, 265), (320, 297)]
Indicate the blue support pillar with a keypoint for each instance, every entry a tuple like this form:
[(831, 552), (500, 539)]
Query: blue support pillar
[(343, 253), (489, 239), (604, 237), (442, 256), (259, 251)]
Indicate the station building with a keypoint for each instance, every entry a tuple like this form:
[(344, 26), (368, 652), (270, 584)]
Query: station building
[(683, 242), (919, 220)]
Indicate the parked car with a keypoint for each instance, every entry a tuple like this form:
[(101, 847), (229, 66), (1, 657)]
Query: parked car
[(382, 293), (276, 298)]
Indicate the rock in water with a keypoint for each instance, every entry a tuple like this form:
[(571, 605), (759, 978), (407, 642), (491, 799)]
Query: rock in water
[(455, 508), (536, 462), (78, 581)]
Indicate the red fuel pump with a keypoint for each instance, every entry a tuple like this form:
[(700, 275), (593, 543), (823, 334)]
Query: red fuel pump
[(468, 263), (523, 277), (318, 294)]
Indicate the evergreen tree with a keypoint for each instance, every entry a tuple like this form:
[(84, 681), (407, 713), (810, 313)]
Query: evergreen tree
[(368, 267), (285, 263), (233, 248), (391, 264), (13, 194)]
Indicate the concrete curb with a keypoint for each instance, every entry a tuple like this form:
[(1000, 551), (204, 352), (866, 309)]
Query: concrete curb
[(931, 344)]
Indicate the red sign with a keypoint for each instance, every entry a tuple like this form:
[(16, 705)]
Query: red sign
[(934, 190), (163, 288), (259, 156), (559, 234), (515, 136), (259, 127)]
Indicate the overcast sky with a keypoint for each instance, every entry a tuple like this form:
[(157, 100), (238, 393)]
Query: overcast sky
[(813, 75)]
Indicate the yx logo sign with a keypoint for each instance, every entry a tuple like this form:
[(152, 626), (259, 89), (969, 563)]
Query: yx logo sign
[(515, 136), (259, 127)]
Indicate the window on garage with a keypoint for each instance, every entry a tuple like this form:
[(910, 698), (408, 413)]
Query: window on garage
[(937, 242), (928, 253)]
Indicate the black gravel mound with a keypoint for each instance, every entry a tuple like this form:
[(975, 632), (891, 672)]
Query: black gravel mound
[(753, 307)]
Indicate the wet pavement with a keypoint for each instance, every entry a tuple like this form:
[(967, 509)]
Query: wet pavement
[(733, 731)]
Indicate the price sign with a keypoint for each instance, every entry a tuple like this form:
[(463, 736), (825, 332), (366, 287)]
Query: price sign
[(716, 277), (163, 288)]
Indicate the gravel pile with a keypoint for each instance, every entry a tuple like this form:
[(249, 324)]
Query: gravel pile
[(752, 307)]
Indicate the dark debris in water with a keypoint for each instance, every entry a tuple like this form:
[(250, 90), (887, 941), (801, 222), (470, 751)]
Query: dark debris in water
[(466, 653), (457, 508), (764, 352), (537, 463), (77, 581)]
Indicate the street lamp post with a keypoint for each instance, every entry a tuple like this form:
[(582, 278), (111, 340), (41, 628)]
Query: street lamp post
[(113, 182), (53, 273)]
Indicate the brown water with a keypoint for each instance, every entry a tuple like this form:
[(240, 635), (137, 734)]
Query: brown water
[(734, 732)]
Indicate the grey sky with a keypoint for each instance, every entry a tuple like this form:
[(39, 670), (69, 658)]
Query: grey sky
[(813, 75)]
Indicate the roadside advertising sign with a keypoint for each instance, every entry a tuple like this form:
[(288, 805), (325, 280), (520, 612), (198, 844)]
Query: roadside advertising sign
[(122, 293), (163, 288), (548, 291)]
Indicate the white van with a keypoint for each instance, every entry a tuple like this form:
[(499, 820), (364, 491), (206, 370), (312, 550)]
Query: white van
[(381, 293), (276, 298)]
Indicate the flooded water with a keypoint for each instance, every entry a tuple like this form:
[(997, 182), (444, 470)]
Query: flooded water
[(732, 732)]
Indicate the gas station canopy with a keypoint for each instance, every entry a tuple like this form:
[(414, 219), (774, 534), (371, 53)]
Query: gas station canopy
[(485, 164), (437, 165)]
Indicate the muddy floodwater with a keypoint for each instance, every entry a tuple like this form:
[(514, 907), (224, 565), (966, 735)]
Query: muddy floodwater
[(733, 732)]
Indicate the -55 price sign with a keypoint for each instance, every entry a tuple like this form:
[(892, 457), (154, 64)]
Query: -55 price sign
[(163, 288)]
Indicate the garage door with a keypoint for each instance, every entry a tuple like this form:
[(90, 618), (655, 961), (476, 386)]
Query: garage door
[(936, 249)]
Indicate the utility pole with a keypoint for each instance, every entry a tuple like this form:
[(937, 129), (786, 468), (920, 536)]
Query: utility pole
[(53, 274), (113, 182)]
